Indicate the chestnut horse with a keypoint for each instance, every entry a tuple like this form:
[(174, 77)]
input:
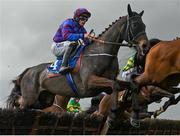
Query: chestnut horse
[(162, 61), (162, 69)]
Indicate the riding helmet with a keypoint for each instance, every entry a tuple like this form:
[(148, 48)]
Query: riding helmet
[(81, 12)]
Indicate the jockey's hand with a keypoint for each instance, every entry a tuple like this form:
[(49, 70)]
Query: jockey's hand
[(88, 36)]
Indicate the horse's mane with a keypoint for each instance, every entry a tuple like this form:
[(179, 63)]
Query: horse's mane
[(154, 41), (110, 25)]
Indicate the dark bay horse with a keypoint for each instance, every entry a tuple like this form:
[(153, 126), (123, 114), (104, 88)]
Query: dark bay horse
[(95, 75), (125, 107), (60, 102)]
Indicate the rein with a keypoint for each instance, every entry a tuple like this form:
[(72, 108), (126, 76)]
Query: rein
[(130, 35), (129, 44)]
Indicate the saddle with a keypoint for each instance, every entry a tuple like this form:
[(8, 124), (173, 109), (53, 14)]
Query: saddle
[(56, 65), (53, 69)]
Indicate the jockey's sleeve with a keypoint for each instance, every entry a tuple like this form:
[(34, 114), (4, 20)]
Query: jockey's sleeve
[(130, 64), (67, 32)]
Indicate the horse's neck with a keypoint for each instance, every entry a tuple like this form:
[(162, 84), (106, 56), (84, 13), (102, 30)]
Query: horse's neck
[(113, 35)]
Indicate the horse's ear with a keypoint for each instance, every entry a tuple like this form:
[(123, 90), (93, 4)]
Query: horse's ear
[(129, 10), (142, 12)]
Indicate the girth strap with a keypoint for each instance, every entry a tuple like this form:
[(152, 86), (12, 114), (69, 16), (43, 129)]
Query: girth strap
[(72, 84)]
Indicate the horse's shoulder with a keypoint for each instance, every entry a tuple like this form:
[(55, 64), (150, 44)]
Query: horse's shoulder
[(163, 43)]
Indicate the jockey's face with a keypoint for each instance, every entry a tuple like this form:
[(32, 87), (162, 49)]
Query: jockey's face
[(82, 20)]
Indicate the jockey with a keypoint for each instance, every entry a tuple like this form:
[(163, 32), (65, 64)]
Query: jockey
[(129, 69), (70, 31), (74, 105)]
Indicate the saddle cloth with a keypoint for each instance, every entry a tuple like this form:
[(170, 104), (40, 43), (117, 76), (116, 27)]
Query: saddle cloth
[(55, 66)]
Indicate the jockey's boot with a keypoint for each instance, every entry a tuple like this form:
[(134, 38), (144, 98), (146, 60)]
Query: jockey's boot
[(64, 67)]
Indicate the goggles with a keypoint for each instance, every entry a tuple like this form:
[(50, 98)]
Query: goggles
[(83, 18)]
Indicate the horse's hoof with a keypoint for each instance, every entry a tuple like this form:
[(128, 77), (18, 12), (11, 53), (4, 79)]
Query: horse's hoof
[(158, 112), (97, 115), (155, 115), (135, 123)]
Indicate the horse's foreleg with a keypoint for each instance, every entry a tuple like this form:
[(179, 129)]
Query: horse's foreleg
[(161, 92), (136, 108), (174, 90), (101, 82), (171, 101), (135, 105), (59, 104), (104, 106)]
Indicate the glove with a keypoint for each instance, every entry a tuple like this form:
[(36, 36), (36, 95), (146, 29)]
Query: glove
[(80, 42)]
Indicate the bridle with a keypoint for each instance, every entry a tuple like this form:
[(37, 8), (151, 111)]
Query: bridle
[(96, 39), (130, 35), (130, 38)]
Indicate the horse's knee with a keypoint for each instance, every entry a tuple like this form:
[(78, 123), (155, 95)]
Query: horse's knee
[(119, 86)]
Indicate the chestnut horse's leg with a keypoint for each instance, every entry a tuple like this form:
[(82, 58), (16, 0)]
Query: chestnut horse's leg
[(171, 101)]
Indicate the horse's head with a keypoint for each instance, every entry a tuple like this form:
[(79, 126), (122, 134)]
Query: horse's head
[(129, 28), (135, 31)]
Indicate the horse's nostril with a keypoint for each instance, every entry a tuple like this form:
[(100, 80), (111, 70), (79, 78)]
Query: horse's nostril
[(145, 50)]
